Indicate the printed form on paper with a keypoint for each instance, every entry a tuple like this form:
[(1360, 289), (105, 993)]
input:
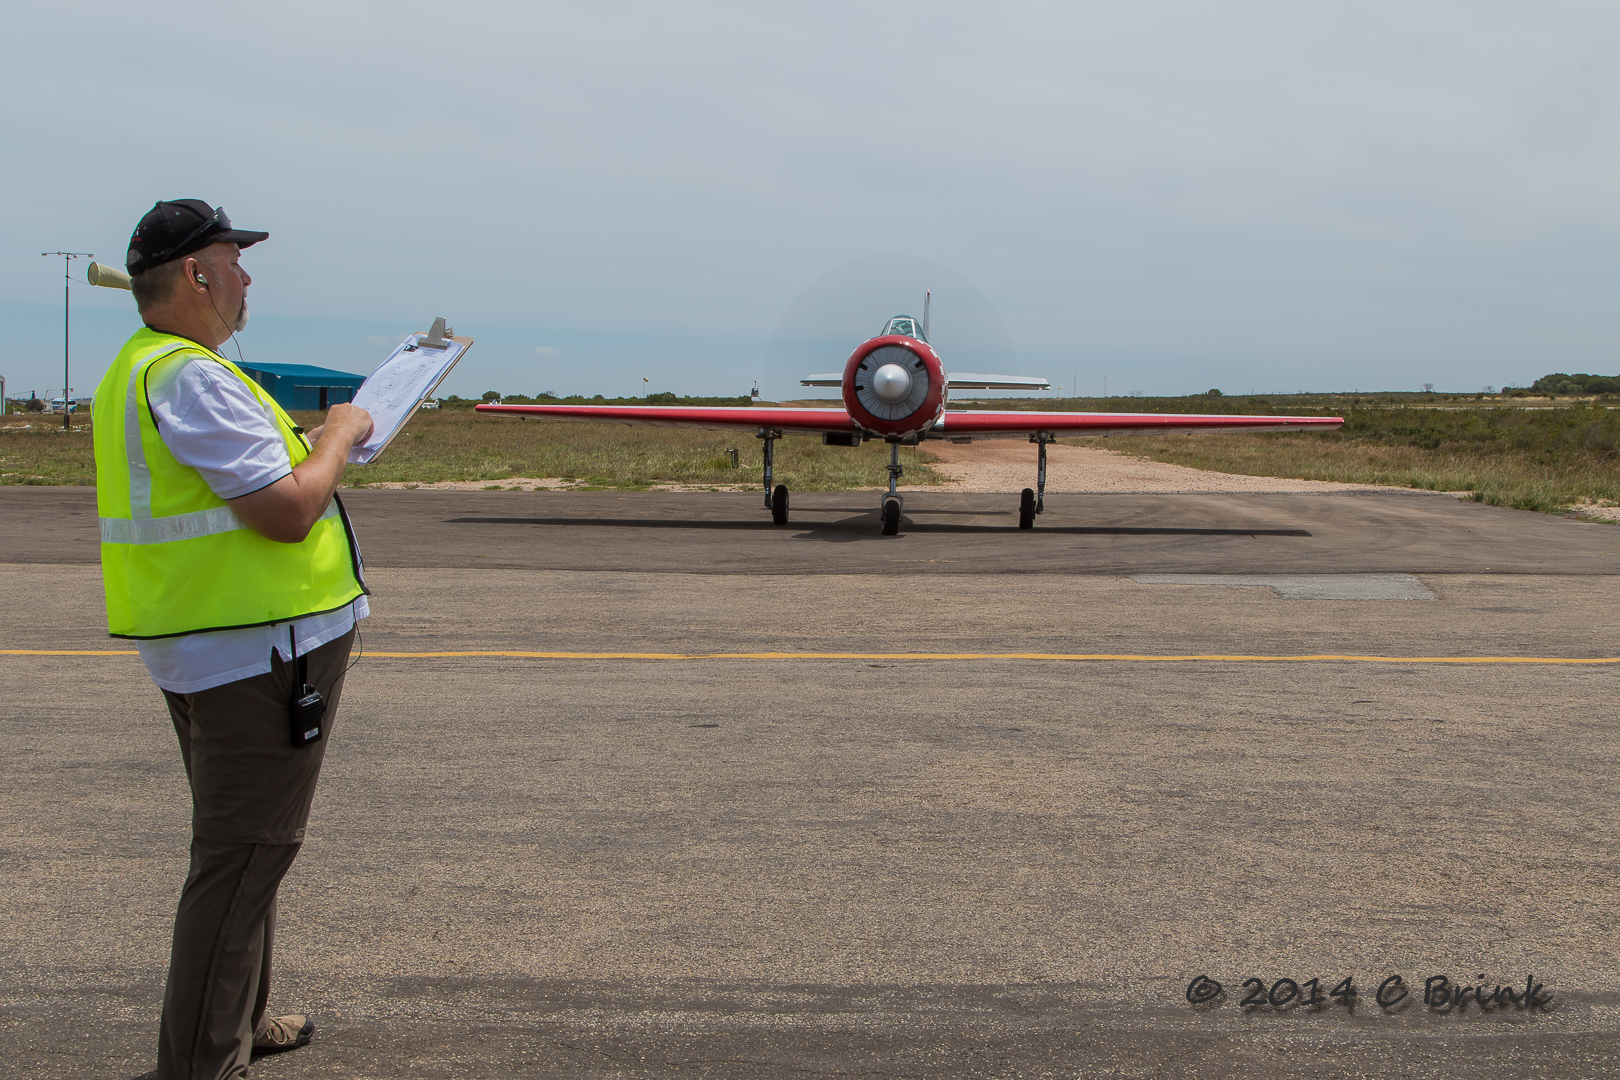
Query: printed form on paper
[(402, 382)]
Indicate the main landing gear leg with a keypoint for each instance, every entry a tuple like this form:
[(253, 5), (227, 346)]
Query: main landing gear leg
[(775, 501), (1040, 472), (1033, 502), (893, 501)]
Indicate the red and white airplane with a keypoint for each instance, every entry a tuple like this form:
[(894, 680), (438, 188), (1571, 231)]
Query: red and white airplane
[(895, 388)]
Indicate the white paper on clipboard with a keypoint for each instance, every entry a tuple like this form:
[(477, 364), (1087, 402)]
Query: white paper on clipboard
[(401, 383)]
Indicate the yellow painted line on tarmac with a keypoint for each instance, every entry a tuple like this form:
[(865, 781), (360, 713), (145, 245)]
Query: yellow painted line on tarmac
[(1141, 658), (68, 652), (1124, 657)]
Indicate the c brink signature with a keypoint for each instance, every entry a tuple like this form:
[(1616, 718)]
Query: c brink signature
[(1440, 994)]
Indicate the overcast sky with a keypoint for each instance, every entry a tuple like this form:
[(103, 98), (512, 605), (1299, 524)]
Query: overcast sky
[(1172, 196)]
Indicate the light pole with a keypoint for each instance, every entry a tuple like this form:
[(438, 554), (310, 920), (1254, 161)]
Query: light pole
[(67, 294)]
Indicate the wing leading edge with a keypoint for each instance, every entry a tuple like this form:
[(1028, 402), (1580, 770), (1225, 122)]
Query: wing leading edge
[(719, 418), (988, 424), (954, 424)]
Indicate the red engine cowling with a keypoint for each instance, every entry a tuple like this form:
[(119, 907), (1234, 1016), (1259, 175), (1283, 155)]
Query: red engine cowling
[(894, 386)]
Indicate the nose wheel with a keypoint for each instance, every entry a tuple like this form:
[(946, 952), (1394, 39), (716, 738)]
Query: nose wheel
[(891, 517), (779, 505), (1026, 509), (892, 499)]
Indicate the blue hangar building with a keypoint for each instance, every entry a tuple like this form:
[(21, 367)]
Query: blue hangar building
[(300, 386)]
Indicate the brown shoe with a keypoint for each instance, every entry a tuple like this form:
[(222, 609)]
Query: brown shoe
[(281, 1033)]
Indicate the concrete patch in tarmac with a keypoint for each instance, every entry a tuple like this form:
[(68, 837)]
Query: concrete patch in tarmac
[(1308, 586)]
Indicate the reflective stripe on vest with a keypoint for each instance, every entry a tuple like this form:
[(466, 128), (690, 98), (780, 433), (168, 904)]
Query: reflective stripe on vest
[(180, 526), (176, 559)]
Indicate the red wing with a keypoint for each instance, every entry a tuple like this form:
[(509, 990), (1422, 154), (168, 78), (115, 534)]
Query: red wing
[(719, 417), (981, 424), (990, 424)]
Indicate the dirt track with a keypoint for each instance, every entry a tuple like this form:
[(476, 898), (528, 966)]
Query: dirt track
[(1009, 465)]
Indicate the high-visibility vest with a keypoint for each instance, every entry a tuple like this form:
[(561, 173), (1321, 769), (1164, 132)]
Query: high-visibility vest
[(175, 558)]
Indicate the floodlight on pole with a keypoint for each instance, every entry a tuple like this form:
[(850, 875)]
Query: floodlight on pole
[(67, 294)]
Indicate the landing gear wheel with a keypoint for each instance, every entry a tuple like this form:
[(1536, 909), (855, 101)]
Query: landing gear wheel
[(891, 517), (779, 505), (1026, 509)]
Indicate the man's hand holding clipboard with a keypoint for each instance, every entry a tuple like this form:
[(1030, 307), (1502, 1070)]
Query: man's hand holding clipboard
[(409, 376)]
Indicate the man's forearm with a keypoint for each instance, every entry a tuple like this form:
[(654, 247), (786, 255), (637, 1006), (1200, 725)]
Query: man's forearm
[(317, 478), (287, 509)]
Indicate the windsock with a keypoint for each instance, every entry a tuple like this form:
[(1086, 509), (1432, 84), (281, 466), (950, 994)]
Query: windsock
[(107, 277)]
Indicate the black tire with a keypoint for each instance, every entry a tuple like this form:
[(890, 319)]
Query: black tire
[(891, 517), (1026, 509), (779, 504)]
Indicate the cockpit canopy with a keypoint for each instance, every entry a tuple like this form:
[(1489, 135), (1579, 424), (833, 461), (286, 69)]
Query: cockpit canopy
[(904, 325)]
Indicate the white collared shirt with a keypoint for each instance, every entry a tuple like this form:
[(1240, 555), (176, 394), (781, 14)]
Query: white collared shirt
[(210, 421)]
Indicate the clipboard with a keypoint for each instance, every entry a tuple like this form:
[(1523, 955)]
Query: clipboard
[(410, 375)]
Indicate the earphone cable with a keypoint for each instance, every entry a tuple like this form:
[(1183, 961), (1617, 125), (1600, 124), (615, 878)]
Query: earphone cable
[(229, 329)]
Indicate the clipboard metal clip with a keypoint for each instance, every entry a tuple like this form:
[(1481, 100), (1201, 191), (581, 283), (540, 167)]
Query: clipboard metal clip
[(436, 338)]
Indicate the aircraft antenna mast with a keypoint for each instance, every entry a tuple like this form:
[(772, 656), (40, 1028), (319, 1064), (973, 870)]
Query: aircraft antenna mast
[(928, 297)]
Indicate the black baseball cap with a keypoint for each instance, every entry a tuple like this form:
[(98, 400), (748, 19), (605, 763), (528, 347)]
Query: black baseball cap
[(173, 230)]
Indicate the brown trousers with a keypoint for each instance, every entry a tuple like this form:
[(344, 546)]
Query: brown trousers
[(251, 791)]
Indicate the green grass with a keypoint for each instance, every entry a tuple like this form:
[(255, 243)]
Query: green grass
[(1542, 457), (35, 450), (1527, 481), (459, 444), (1534, 454)]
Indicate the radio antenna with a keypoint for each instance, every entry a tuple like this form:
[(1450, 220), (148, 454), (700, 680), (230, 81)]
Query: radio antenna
[(67, 282)]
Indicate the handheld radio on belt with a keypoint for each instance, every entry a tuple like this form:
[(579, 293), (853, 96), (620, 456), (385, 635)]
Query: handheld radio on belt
[(308, 708)]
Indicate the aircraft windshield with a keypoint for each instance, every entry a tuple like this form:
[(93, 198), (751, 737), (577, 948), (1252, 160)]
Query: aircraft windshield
[(906, 325)]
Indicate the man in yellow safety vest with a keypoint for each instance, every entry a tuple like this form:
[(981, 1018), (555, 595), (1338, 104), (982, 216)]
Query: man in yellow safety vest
[(228, 559)]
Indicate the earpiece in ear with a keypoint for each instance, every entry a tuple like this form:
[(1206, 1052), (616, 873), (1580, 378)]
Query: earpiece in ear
[(202, 279)]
